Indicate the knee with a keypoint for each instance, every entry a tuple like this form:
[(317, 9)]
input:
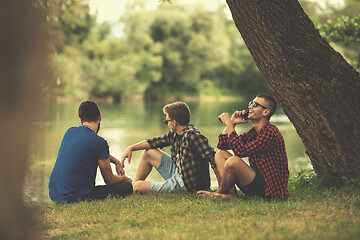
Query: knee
[(152, 157), (232, 163), (221, 153), (148, 153)]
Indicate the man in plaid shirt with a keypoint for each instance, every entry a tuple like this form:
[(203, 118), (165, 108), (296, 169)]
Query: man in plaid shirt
[(267, 176), (187, 169)]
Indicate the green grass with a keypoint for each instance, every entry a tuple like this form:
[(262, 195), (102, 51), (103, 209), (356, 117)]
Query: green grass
[(312, 211)]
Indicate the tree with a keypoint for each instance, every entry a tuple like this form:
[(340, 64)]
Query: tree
[(346, 32), (189, 44), (67, 23), (22, 63), (70, 21), (316, 87), (339, 24), (239, 74)]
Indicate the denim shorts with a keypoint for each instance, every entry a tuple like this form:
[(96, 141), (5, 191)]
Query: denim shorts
[(169, 171)]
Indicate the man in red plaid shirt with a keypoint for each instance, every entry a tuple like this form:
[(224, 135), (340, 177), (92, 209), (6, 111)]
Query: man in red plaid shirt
[(268, 174)]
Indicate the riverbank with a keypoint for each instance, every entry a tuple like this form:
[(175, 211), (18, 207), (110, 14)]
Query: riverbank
[(312, 211), (141, 98)]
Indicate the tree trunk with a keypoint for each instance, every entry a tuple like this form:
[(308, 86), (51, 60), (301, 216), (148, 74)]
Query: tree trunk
[(22, 64), (318, 90)]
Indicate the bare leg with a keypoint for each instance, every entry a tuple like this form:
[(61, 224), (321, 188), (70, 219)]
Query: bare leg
[(141, 187), (149, 159), (236, 171), (220, 159)]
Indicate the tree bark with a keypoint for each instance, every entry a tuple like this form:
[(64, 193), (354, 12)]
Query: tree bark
[(317, 89), (22, 64)]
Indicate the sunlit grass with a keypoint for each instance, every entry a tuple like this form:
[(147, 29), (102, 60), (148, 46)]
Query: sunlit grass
[(312, 212)]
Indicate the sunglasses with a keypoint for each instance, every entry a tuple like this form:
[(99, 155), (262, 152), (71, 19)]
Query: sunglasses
[(166, 121), (255, 104)]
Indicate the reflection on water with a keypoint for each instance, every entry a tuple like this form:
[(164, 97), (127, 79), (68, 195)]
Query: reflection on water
[(128, 123)]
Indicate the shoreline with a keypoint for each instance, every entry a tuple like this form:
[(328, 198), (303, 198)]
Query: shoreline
[(140, 98)]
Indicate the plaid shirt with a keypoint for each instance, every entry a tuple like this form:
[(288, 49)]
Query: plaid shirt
[(194, 154), (266, 152)]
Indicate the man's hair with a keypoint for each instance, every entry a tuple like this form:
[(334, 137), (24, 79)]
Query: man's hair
[(89, 111), (270, 102), (178, 111)]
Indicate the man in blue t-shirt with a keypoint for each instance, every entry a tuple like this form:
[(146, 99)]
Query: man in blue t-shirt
[(81, 152)]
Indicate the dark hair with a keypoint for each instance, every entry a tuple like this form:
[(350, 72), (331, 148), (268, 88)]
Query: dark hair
[(89, 111), (178, 111), (270, 102)]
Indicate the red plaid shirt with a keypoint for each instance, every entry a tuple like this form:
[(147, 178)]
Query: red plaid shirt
[(266, 152)]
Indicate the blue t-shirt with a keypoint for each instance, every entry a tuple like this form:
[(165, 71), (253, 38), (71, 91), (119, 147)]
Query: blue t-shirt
[(74, 172)]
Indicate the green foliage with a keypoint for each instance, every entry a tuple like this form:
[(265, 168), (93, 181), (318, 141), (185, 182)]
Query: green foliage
[(241, 76), (174, 50), (190, 43), (97, 46), (195, 47), (69, 78), (122, 76), (70, 22), (346, 32), (343, 29), (339, 25)]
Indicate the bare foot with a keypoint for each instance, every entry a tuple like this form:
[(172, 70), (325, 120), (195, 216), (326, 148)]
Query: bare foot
[(225, 195), (221, 196), (206, 194)]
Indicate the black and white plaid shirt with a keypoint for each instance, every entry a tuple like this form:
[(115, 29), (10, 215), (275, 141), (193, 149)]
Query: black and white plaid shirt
[(194, 154)]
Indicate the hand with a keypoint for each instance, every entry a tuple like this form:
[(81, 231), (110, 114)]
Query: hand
[(127, 154), (224, 118), (238, 117), (119, 169), (127, 179)]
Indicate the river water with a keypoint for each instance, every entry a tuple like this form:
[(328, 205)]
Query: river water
[(127, 123)]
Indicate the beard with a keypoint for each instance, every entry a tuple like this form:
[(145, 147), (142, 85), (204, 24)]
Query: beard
[(98, 128)]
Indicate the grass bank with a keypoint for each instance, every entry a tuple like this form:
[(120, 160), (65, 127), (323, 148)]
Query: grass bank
[(313, 211)]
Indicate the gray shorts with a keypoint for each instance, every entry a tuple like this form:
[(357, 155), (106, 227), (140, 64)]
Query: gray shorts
[(169, 171)]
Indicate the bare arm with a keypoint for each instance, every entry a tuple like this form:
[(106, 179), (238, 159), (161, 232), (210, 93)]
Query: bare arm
[(119, 167), (108, 175), (128, 152), (230, 123)]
